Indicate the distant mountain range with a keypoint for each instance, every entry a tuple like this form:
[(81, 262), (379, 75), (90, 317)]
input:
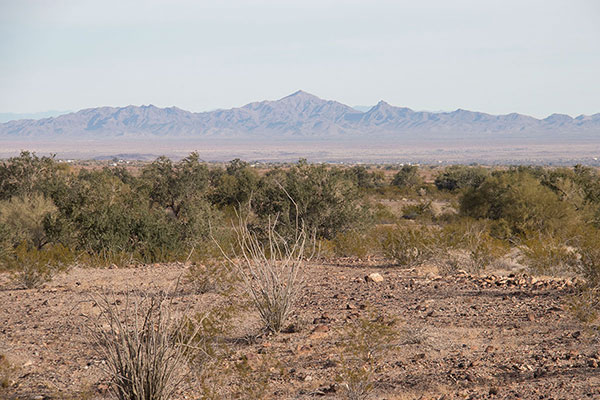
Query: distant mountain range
[(299, 115)]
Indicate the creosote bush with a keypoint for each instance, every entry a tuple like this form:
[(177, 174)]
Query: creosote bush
[(23, 217), (31, 267), (351, 244), (476, 240), (545, 254), (408, 245)]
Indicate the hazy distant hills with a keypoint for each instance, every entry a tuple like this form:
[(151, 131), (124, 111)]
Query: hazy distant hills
[(299, 115)]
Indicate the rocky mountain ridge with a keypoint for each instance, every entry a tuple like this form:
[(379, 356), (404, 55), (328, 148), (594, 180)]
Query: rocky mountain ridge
[(299, 115)]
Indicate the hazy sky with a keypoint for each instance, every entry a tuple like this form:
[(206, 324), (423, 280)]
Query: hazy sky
[(527, 56)]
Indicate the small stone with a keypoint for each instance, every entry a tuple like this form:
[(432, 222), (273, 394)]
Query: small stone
[(374, 277), (321, 328), (303, 350), (350, 306), (319, 332), (493, 391)]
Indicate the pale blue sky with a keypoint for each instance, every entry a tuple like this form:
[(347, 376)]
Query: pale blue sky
[(532, 57)]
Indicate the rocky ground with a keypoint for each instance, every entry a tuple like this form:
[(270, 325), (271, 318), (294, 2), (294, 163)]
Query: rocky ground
[(463, 336)]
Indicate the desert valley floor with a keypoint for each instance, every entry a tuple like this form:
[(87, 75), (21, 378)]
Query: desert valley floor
[(496, 336)]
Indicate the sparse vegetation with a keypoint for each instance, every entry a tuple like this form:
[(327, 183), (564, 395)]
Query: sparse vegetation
[(363, 347), (408, 245), (143, 344), (444, 223), (271, 272), (31, 267)]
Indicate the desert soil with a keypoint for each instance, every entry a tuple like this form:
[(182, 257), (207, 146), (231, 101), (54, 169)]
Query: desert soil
[(465, 336)]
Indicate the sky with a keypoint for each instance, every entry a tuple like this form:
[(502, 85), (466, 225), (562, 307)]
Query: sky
[(527, 56)]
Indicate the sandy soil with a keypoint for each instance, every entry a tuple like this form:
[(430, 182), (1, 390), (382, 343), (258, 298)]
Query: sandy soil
[(467, 337)]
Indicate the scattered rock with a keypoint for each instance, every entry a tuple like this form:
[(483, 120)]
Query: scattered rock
[(303, 350), (374, 277), (321, 328), (320, 332)]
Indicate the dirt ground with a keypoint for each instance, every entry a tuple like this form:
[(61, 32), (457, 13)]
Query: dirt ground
[(466, 337)]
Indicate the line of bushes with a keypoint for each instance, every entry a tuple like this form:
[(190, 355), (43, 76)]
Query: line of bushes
[(169, 211)]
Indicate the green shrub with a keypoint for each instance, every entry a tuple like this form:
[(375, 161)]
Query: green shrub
[(351, 244), (30, 267), (460, 177), (110, 219), (519, 199), (548, 255), (28, 174), (323, 198), (408, 245), (407, 178), (23, 218), (236, 185), (365, 179)]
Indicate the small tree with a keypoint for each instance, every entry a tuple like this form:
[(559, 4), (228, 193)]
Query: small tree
[(408, 177)]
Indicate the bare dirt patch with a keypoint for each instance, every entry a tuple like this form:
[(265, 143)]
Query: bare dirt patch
[(496, 337)]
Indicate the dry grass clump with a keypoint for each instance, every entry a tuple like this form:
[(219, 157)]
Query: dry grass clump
[(143, 344)]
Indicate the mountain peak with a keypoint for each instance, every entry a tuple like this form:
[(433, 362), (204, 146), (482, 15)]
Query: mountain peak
[(298, 114), (301, 94)]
